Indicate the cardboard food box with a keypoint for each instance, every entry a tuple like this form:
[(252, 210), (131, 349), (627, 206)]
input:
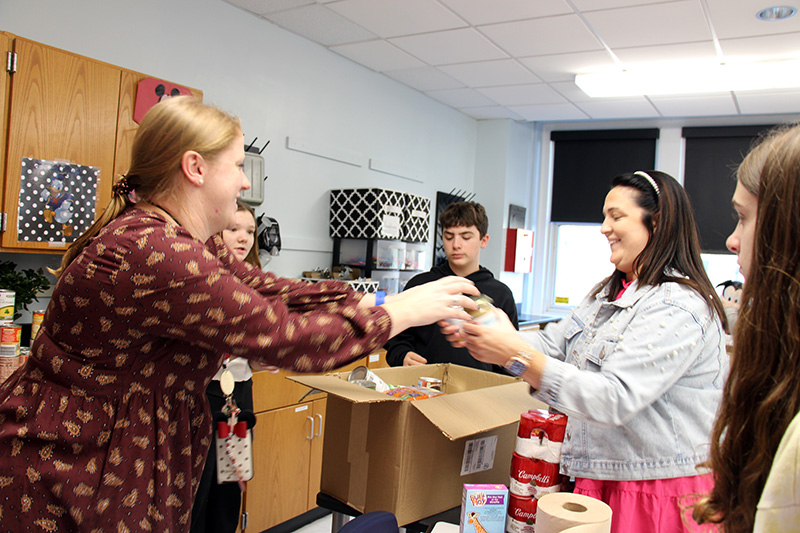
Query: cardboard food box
[(412, 458)]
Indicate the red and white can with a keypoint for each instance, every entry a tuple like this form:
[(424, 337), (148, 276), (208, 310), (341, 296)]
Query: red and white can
[(540, 435), (532, 477), (521, 514), (10, 335)]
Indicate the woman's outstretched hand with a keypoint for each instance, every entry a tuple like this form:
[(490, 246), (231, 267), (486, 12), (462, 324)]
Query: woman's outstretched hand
[(428, 303)]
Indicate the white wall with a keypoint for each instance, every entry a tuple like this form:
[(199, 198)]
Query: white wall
[(281, 86)]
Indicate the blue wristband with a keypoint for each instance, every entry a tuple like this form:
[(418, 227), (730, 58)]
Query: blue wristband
[(380, 297)]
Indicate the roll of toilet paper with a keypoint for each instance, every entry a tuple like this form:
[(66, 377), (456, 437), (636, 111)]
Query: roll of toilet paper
[(560, 511), (587, 528)]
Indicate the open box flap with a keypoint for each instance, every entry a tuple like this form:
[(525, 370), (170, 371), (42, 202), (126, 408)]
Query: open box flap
[(471, 412), (338, 385)]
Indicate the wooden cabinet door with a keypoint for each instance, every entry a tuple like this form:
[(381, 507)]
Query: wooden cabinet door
[(281, 458), (63, 107), (6, 41)]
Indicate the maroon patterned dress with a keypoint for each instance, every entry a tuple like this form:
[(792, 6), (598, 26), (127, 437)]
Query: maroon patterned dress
[(106, 427)]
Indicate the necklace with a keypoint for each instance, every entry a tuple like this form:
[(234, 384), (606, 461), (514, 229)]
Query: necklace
[(168, 213)]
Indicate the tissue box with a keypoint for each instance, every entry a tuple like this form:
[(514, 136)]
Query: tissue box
[(483, 508)]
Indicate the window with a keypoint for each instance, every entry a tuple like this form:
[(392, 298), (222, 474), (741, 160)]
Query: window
[(712, 156), (581, 261), (584, 164)]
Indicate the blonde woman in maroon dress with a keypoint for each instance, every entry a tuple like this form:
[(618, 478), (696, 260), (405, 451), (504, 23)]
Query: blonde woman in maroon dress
[(106, 427)]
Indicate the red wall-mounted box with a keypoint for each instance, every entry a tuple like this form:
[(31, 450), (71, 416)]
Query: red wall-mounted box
[(519, 250)]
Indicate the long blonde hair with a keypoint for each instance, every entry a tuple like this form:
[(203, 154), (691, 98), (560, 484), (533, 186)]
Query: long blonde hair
[(168, 130)]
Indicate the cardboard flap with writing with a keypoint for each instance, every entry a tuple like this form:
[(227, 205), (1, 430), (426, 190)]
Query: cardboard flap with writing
[(471, 412)]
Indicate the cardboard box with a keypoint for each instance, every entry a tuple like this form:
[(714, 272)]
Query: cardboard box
[(412, 458)]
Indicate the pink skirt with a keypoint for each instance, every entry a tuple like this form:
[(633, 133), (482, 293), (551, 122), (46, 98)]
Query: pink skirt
[(651, 506)]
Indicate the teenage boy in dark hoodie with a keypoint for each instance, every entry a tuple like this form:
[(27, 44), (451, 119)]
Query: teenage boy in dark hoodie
[(464, 226)]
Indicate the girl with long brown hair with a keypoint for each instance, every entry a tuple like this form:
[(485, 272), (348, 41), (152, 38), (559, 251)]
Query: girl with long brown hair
[(756, 440)]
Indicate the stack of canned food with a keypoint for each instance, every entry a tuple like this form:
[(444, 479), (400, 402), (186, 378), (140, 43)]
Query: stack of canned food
[(12, 355)]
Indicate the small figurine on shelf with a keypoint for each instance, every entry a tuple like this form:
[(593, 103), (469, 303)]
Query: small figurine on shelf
[(731, 296)]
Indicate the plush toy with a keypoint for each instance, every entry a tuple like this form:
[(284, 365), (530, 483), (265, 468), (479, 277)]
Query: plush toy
[(731, 295)]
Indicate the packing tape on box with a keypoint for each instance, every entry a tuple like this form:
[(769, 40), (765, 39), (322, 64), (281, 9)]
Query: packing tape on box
[(559, 511)]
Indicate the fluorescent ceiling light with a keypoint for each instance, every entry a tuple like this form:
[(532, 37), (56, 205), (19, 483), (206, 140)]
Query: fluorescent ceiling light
[(691, 78)]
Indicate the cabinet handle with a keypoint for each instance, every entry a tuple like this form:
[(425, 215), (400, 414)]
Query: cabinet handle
[(319, 430), (311, 435)]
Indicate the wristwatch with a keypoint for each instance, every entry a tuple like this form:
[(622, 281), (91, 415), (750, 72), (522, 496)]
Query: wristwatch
[(517, 365)]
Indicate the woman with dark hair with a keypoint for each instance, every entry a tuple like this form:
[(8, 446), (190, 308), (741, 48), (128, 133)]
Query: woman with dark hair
[(638, 366), (755, 447)]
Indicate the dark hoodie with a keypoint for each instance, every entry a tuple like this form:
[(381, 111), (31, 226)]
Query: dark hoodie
[(429, 342)]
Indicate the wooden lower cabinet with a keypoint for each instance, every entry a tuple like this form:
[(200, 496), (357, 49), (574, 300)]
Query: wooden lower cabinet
[(287, 449)]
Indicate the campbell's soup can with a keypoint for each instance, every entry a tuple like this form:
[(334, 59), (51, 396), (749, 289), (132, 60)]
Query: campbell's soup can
[(521, 514), (36, 322), (533, 477), (522, 470), (7, 298)]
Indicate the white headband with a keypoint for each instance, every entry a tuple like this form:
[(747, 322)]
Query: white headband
[(646, 176)]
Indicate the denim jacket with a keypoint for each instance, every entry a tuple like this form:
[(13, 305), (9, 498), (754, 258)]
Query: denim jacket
[(640, 378)]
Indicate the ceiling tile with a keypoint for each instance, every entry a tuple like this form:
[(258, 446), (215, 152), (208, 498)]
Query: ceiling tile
[(771, 46), (491, 73), (390, 18), (551, 35), (614, 108), (767, 103), (447, 47), (550, 113), (461, 98), (478, 12), (595, 5), (667, 52), (321, 25), (491, 112), (563, 67), (378, 55), (738, 19), (260, 7), (695, 106), (523, 94), (424, 79), (669, 23)]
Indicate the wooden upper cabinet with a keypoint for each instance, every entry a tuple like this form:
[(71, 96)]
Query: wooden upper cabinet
[(67, 108), (63, 107)]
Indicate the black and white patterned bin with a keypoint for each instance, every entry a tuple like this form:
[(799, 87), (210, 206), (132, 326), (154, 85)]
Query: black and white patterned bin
[(416, 219), (366, 213)]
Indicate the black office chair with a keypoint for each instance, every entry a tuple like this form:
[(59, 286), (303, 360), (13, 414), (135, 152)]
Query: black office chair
[(373, 522)]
